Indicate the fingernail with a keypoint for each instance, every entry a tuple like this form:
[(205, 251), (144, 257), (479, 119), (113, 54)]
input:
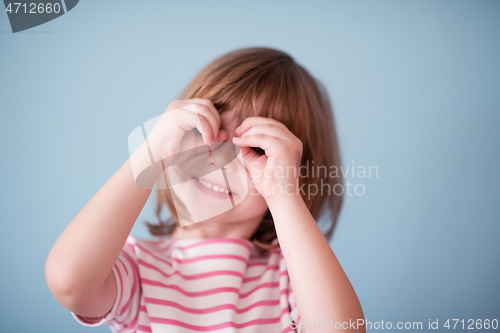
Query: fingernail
[(235, 138)]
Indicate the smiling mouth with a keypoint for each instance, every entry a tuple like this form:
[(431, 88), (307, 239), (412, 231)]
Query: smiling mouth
[(213, 187)]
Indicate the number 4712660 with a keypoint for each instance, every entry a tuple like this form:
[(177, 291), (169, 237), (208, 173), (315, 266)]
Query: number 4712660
[(471, 324), (32, 8)]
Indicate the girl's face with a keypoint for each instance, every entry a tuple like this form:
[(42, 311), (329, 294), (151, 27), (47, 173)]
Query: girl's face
[(214, 187)]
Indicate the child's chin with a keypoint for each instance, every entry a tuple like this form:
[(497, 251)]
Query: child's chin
[(214, 221)]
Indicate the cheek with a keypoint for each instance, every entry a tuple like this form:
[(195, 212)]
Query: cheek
[(253, 205)]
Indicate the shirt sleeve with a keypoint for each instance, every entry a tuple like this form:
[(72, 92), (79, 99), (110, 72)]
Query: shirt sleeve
[(125, 311), (294, 311)]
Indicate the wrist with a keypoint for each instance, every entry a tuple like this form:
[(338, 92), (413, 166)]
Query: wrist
[(144, 168), (285, 200)]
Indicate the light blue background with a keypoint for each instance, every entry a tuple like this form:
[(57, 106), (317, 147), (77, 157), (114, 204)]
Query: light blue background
[(416, 90)]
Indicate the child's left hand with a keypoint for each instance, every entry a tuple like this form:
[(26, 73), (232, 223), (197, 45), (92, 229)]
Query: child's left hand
[(276, 172)]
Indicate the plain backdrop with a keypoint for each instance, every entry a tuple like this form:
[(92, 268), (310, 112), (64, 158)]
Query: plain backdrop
[(415, 87)]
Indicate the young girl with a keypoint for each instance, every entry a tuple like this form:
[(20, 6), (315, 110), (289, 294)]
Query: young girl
[(263, 264)]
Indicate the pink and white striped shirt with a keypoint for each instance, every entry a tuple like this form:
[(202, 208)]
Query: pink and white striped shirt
[(199, 285)]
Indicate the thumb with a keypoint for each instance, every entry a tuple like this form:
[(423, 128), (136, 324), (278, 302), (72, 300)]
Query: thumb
[(252, 160), (222, 136)]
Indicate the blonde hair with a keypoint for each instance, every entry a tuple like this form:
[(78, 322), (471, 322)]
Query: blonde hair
[(269, 83)]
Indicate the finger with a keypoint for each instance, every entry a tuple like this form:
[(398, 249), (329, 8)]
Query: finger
[(269, 144), (208, 103), (204, 111), (201, 106), (205, 128), (184, 102), (254, 121), (269, 130), (192, 120), (210, 106), (251, 160), (222, 137)]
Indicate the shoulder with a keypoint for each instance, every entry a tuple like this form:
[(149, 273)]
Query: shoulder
[(131, 239), (141, 245)]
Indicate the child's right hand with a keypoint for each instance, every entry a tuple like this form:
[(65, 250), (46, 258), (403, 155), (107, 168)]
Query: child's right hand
[(175, 131)]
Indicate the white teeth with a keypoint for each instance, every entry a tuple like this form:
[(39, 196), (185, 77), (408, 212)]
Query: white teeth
[(207, 184), (215, 188)]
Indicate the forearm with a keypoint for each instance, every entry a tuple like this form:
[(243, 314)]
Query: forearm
[(84, 254), (321, 288)]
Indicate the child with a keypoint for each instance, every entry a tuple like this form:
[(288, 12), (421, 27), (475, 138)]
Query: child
[(261, 266)]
